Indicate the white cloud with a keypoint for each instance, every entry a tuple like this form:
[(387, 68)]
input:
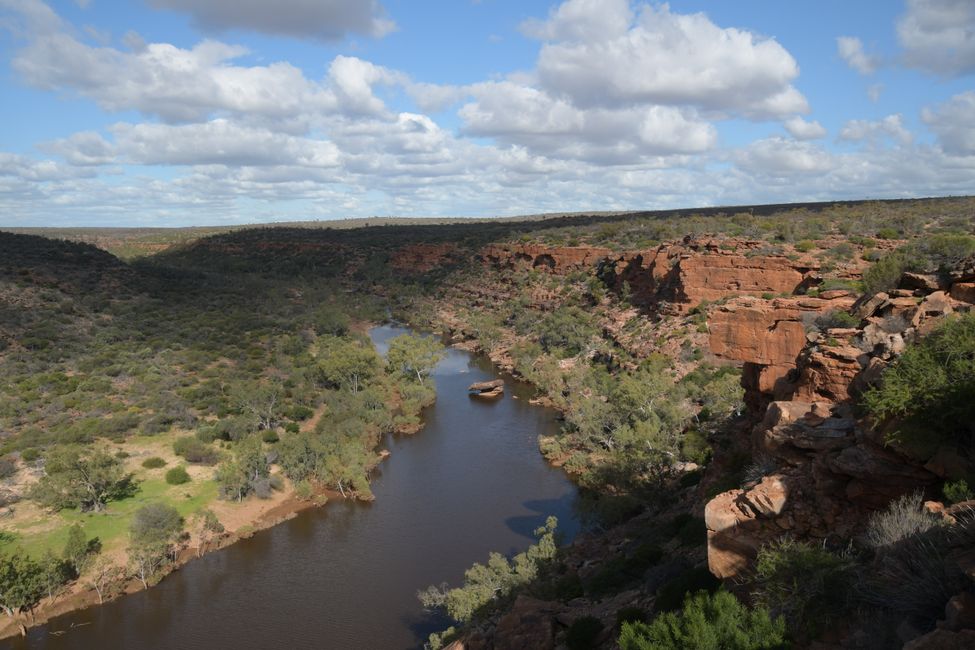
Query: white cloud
[(174, 83), (597, 54), (530, 117), (800, 129), (872, 132), (938, 36), (84, 148), (582, 21), (874, 91), (954, 124), (780, 157), (187, 85), (851, 50), (316, 19)]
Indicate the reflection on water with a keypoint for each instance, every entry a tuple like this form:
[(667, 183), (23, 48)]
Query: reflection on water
[(345, 576)]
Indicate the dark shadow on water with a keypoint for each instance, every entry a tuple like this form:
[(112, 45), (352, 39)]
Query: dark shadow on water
[(425, 624), (525, 525)]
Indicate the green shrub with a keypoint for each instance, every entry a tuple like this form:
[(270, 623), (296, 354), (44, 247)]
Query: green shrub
[(928, 390), (270, 436), (153, 462), (805, 583), (7, 467), (805, 246), (886, 272), (177, 476), (196, 451), (836, 319), (957, 491), (583, 633), (707, 622), (30, 454)]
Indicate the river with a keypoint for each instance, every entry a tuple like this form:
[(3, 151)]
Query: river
[(345, 576)]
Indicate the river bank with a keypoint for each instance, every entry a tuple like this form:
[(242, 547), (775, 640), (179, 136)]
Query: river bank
[(454, 459)]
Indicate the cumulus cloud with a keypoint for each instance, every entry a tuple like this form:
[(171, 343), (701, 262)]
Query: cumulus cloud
[(851, 50), (779, 156), (954, 124), (938, 36), (327, 20), (800, 129), (601, 54), (872, 132), (523, 115), (186, 85)]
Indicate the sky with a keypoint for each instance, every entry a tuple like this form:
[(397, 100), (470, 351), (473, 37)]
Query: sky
[(209, 112)]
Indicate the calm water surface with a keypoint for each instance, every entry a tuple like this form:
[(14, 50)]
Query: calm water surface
[(346, 575)]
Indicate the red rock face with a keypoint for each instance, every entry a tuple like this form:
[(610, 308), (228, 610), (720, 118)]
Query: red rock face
[(767, 337), (836, 470), (420, 258), (716, 276), (554, 259)]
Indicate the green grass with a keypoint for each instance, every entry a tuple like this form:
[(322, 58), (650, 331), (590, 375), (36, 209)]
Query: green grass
[(112, 526)]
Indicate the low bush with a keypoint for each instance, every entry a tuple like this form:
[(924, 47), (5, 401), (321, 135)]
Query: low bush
[(903, 518), (927, 391), (177, 476), (835, 319), (196, 451), (805, 583), (914, 577), (7, 467), (957, 491), (153, 462), (707, 622)]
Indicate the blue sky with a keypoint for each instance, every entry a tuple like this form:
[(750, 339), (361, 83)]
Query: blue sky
[(180, 112)]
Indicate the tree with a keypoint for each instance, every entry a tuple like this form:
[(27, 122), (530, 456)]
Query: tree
[(347, 363), (154, 530), (208, 528), (104, 573), (237, 477), (487, 584), (707, 622), (260, 400), (55, 574), (21, 585), (414, 356), (78, 549), (300, 456), (87, 481)]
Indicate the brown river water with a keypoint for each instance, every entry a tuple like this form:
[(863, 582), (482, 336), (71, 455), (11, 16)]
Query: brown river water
[(345, 576)]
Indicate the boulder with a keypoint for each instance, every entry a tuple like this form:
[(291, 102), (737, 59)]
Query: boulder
[(963, 292), (919, 282), (487, 389)]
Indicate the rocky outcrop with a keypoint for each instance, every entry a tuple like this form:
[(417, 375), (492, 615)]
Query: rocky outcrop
[(553, 259), (420, 258), (685, 274), (767, 337), (831, 470)]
